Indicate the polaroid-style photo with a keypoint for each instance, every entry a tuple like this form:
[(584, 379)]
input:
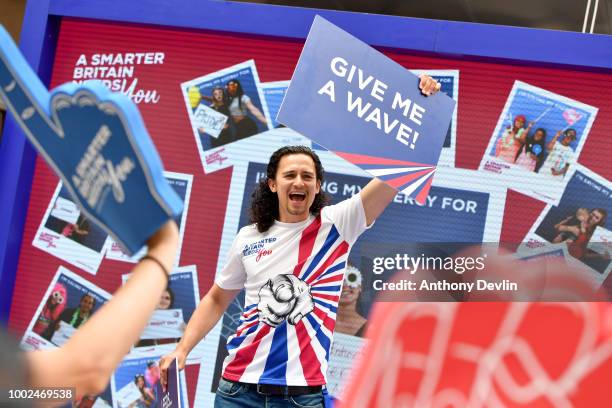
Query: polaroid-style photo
[(224, 107), (260, 145), (181, 183), (345, 350), (67, 304), (66, 233), (136, 382), (555, 252), (546, 259), (601, 242), (449, 82), (274, 92), (537, 141), (581, 221), (175, 307)]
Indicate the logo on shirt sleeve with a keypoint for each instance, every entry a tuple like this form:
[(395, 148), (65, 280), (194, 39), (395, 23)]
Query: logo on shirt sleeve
[(284, 297)]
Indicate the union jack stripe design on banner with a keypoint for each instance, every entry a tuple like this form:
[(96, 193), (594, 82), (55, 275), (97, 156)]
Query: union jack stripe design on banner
[(409, 178), (298, 353)]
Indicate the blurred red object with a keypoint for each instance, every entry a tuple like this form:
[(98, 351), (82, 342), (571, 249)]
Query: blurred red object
[(485, 355)]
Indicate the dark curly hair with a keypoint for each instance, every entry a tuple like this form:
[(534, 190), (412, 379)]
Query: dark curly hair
[(264, 203)]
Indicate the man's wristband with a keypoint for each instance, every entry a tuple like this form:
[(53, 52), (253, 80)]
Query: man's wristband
[(161, 265)]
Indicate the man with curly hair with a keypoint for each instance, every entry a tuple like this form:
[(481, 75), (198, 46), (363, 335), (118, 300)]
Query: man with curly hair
[(291, 262)]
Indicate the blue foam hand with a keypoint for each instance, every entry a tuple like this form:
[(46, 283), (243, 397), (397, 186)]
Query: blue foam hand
[(96, 141)]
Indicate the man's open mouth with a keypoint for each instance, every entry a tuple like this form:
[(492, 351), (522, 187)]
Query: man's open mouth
[(297, 196)]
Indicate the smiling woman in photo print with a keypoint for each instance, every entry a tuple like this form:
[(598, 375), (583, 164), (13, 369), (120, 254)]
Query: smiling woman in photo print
[(349, 319)]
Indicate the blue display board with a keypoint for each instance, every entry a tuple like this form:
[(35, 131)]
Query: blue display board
[(437, 38)]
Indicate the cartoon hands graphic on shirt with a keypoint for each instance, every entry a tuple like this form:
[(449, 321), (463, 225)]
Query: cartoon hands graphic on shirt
[(284, 297)]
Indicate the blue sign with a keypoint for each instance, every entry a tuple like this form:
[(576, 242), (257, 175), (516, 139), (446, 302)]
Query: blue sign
[(358, 103), (171, 397), (97, 143)]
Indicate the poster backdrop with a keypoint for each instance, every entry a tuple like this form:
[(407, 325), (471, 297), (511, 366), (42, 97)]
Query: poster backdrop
[(150, 64)]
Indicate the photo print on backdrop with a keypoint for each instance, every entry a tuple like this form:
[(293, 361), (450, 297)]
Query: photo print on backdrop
[(555, 252), (175, 307), (274, 92), (538, 138), (68, 303), (224, 107), (581, 221), (449, 81), (181, 184), (542, 261), (136, 382), (448, 208), (67, 234)]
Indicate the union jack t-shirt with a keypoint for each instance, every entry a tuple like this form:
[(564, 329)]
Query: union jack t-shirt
[(292, 275)]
